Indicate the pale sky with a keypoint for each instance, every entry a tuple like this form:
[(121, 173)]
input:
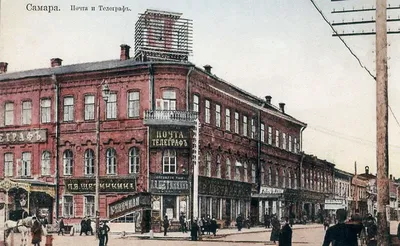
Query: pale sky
[(281, 48)]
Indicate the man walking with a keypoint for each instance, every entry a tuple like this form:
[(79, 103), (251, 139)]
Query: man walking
[(285, 235), (165, 224), (61, 226)]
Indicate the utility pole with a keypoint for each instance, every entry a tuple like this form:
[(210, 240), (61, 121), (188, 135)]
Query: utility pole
[(382, 154), (196, 154)]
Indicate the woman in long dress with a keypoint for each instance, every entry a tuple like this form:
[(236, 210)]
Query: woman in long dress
[(37, 232)]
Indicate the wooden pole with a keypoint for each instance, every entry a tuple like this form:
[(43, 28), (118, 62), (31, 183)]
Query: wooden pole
[(382, 122)]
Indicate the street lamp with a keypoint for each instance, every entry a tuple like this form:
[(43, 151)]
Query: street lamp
[(105, 92)]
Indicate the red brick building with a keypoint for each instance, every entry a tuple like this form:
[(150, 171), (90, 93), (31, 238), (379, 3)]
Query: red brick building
[(251, 161)]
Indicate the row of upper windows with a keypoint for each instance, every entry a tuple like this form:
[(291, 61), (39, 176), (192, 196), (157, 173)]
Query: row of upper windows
[(23, 169), (267, 135), (69, 104), (69, 206)]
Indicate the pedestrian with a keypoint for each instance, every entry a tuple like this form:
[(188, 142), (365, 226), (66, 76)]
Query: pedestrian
[(248, 222), (201, 225), (37, 232), (101, 234), (83, 227), (239, 222), (165, 224), (89, 226), (182, 221), (208, 225), (194, 230), (326, 223), (398, 231), (61, 226), (285, 235), (268, 221), (276, 227), (342, 233), (107, 228), (213, 226)]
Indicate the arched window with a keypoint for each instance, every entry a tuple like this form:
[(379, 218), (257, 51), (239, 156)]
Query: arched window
[(276, 177), (289, 179), (207, 169), (218, 166), (253, 173), (237, 171), (134, 160), (111, 156), (169, 161), (89, 162), (228, 169), (269, 176), (262, 179), (295, 180), (283, 178), (45, 163), (245, 172), (68, 160)]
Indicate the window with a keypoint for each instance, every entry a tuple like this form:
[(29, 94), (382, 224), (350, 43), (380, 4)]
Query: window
[(295, 145), (253, 129), (89, 107), (269, 176), (218, 166), (227, 119), (295, 181), (277, 138), (207, 111), (111, 156), (284, 143), (245, 175), (8, 164), (9, 114), (228, 169), (169, 100), (290, 143), (276, 177), (218, 115), (270, 135), (262, 178), (46, 163), (45, 110), (237, 172), (26, 164), (283, 179), (26, 112), (89, 162), (169, 161), (89, 206), (245, 126), (68, 206), (68, 108), (196, 100), (134, 160), (237, 122), (289, 179), (253, 173), (207, 169), (133, 104), (111, 108), (262, 137), (68, 159)]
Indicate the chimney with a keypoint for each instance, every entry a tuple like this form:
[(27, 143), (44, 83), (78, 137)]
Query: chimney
[(3, 67), (282, 107), (55, 62), (268, 99), (124, 52), (207, 68), (367, 170)]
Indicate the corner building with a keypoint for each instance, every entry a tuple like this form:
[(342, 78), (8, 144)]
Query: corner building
[(251, 161)]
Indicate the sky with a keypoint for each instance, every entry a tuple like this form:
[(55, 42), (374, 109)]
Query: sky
[(281, 48)]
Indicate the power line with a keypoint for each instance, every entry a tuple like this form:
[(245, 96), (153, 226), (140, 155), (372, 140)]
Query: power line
[(341, 39)]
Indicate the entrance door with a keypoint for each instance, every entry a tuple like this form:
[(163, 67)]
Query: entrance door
[(254, 211)]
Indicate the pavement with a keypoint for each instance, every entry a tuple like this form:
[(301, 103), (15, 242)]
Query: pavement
[(220, 233)]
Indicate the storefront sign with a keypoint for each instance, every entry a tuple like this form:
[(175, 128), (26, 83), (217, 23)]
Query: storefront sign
[(169, 138), (172, 184), (303, 195), (129, 204), (269, 190), (28, 136), (334, 204), (224, 188), (85, 185)]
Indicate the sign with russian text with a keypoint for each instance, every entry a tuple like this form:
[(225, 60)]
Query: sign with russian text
[(174, 184), (269, 190), (129, 204), (169, 138), (224, 188), (86, 185), (23, 136)]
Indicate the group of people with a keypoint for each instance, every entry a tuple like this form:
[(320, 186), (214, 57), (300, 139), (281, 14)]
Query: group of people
[(203, 226)]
